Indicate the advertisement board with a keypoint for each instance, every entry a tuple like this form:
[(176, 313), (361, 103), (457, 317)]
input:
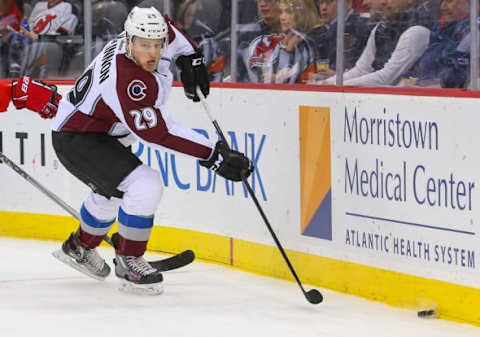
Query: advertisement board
[(386, 181), (405, 185)]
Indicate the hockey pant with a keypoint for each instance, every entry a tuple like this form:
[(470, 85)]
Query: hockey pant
[(142, 190)]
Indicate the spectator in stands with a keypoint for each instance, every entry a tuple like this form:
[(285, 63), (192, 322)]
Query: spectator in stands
[(247, 14), (457, 65), (427, 12), (269, 23), (375, 12), (10, 16), (393, 47), (324, 38), (269, 16), (108, 18), (47, 20), (285, 57), (447, 58), (361, 6), (184, 13)]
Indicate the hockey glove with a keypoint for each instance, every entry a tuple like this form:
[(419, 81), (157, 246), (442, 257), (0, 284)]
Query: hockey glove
[(230, 164), (4, 96), (36, 96), (193, 73)]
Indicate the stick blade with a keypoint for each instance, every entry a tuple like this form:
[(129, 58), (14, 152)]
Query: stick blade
[(314, 296)]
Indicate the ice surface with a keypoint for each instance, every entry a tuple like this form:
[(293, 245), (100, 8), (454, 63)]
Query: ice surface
[(39, 296)]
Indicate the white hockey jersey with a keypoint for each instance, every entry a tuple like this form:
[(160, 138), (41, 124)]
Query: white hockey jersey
[(117, 97), (54, 20)]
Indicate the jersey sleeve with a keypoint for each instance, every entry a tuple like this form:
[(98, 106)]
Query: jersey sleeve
[(137, 92), (68, 21), (410, 47), (179, 43), (363, 66)]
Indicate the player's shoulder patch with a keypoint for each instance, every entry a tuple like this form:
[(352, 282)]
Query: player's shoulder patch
[(135, 85), (136, 90)]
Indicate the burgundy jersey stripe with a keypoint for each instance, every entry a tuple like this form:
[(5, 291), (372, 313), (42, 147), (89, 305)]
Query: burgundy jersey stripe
[(101, 120)]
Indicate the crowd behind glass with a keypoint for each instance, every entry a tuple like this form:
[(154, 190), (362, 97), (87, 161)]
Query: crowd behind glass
[(421, 43)]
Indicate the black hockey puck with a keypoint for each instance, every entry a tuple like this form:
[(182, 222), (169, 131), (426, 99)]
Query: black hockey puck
[(426, 313)]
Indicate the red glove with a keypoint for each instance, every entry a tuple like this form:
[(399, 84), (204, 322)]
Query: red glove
[(36, 96)]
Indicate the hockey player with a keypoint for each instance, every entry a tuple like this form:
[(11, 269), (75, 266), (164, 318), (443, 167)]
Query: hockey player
[(121, 98), (286, 57)]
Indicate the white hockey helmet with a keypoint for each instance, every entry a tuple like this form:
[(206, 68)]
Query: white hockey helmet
[(147, 23)]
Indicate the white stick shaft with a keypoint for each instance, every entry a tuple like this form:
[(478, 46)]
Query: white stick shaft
[(205, 104), (40, 187), (44, 190)]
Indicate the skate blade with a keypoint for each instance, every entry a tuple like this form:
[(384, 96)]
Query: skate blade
[(61, 256), (141, 289)]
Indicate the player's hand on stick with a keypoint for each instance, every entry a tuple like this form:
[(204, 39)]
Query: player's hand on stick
[(193, 73), (228, 163)]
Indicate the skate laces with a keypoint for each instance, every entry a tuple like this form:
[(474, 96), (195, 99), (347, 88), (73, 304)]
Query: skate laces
[(139, 265), (93, 259)]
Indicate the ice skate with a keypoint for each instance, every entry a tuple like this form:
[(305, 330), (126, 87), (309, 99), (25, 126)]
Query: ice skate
[(137, 275), (84, 260)]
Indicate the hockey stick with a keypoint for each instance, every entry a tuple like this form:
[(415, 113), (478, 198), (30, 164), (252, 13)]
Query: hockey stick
[(45, 191), (313, 295), (173, 262)]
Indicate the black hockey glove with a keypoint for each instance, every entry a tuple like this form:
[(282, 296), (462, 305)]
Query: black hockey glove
[(193, 73), (228, 163)]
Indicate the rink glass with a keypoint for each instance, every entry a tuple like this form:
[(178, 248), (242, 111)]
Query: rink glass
[(259, 45)]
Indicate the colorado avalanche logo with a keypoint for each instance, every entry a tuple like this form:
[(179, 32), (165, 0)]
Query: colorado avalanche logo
[(136, 90)]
